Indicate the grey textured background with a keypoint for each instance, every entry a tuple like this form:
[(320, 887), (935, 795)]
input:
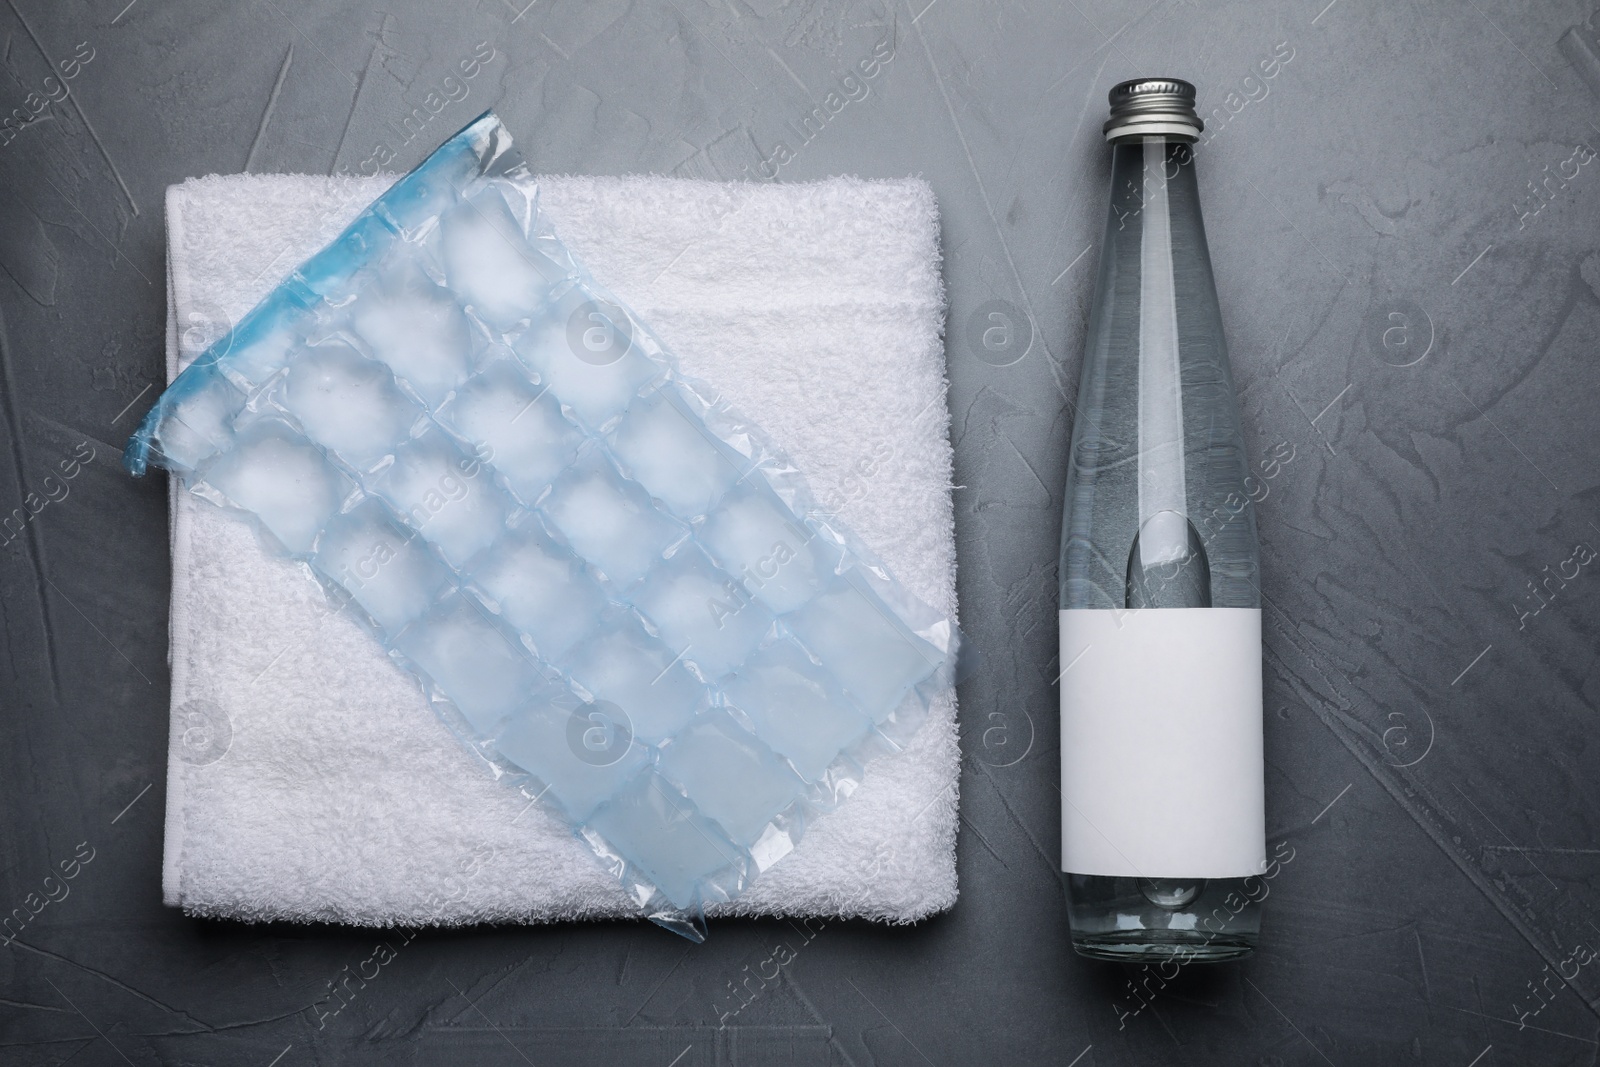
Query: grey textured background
[(1402, 311)]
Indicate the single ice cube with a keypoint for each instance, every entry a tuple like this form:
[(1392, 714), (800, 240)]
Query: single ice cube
[(730, 776), (608, 521), (666, 450), (260, 345), (178, 447), (702, 613), (582, 752), (348, 403), (541, 590), (529, 440), (783, 562), (446, 495), (500, 277), (284, 481), (865, 645), (584, 348), (468, 659), (623, 664), (678, 849), (796, 707), (386, 568), (197, 423), (417, 328)]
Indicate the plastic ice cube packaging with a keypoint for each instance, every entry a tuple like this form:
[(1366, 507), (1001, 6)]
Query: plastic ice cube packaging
[(608, 583)]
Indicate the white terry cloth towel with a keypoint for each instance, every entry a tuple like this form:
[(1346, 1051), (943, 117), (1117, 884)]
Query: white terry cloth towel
[(308, 779)]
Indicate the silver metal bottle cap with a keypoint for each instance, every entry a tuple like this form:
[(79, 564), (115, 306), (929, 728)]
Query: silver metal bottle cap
[(1160, 107)]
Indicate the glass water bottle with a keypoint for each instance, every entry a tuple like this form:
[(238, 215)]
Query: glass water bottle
[(1163, 831)]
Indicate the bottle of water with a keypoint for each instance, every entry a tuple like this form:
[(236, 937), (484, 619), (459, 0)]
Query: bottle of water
[(1162, 822)]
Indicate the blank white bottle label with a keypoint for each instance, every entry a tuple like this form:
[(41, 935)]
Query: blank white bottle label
[(1161, 773)]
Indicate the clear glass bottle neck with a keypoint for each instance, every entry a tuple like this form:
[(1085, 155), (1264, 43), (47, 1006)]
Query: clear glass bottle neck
[(1146, 168)]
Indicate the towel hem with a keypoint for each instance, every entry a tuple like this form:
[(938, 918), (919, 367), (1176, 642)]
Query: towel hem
[(178, 612)]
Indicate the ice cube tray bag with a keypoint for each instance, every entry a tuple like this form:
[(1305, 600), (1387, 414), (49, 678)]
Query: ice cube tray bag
[(610, 585)]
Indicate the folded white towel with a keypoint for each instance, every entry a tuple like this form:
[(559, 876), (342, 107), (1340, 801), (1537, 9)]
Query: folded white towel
[(307, 777)]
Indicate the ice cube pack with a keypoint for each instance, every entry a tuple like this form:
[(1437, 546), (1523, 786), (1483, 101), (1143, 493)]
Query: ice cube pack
[(610, 586)]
